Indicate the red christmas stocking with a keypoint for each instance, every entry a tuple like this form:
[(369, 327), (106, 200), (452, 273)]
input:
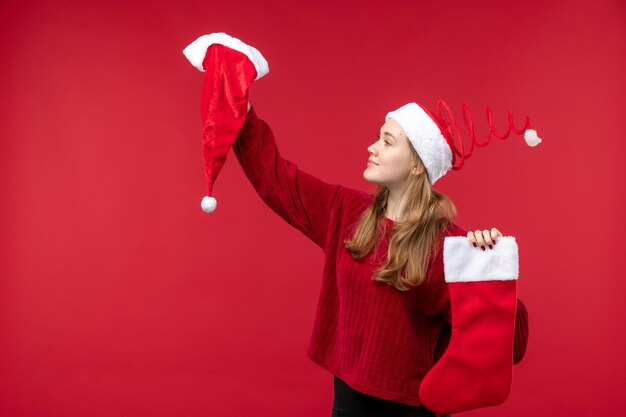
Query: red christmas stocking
[(230, 66), (476, 369)]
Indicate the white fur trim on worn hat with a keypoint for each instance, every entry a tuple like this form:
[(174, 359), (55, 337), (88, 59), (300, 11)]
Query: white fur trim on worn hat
[(196, 51), (426, 138), (462, 262)]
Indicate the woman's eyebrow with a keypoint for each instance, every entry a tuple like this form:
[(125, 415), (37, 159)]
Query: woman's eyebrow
[(389, 134)]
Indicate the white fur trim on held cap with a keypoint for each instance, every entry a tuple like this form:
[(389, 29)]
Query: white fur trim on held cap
[(426, 138), (196, 51), (462, 262)]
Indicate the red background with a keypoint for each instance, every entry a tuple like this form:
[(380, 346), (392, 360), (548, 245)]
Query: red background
[(120, 297)]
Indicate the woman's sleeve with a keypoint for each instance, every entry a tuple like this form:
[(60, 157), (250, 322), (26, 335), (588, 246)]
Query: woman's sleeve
[(521, 332), (303, 200)]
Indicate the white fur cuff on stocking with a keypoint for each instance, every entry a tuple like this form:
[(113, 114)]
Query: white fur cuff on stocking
[(465, 263)]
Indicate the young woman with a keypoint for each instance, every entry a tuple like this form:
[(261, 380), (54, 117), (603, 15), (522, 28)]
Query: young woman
[(383, 313)]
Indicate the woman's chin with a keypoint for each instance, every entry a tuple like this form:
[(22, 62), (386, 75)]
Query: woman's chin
[(369, 178)]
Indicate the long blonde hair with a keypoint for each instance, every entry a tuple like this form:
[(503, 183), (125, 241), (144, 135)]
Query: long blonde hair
[(413, 241)]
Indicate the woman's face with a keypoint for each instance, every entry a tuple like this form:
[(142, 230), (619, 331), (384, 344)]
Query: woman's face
[(391, 159)]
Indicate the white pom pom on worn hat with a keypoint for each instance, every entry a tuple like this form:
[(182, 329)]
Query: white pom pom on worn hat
[(531, 138)]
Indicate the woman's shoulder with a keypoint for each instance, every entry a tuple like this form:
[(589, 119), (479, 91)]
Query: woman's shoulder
[(351, 203), (454, 230), (354, 198)]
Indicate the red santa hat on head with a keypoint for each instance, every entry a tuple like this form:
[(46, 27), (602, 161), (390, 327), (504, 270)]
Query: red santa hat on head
[(431, 135), (230, 66)]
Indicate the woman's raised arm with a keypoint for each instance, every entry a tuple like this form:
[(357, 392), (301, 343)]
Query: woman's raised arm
[(303, 200)]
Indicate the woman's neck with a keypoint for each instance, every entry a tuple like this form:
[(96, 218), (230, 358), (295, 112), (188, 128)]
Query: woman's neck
[(395, 207)]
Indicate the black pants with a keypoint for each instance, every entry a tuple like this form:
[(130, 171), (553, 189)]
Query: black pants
[(351, 403)]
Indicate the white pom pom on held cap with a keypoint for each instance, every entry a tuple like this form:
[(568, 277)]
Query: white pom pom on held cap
[(531, 138), (209, 204)]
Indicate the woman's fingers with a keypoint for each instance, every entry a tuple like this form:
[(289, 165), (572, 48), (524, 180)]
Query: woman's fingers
[(494, 234), (477, 238), (471, 238), (484, 238), (487, 239)]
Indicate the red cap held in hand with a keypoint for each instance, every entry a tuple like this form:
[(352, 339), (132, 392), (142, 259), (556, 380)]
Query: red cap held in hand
[(230, 66)]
